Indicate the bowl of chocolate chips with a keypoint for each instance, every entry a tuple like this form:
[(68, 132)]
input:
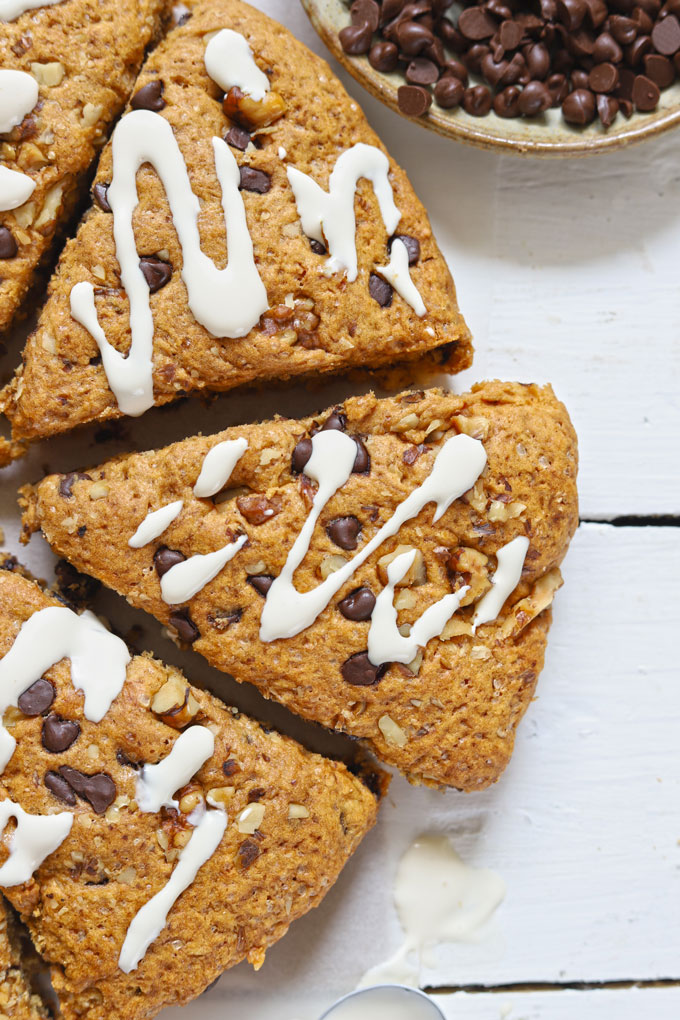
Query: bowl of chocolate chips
[(538, 77)]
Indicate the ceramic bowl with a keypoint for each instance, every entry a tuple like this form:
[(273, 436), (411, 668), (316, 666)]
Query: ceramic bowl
[(384, 1000), (547, 135)]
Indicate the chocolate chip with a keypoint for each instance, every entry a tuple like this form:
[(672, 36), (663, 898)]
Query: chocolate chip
[(254, 180), (571, 13), (359, 671), (365, 12), (448, 92), (384, 56), (165, 558), (223, 619), (666, 36), (301, 454), (413, 37), (248, 852), (646, 94), (66, 482), (237, 137), (510, 35), (149, 97), (344, 531), (99, 193), (476, 24), (535, 99), (506, 103), (606, 48), (261, 583), (607, 108), (422, 71), (99, 789), (412, 245), (356, 39), (477, 100), (156, 272), (231, 767), (413, 100), (358, 605), (579, 107), (622, 29), (186, 629), (37, 698), (317, 247), (659, 69), (380, 290), (603, 78), (8, 246), (124, 759), (58, 734), (336, 420), (638, 50), (362, 461), (57, 785)]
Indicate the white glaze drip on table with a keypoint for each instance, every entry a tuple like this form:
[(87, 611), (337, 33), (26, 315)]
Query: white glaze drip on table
[(34, 839), (186, 579), (439, 898), (510, 559), (456, 468), (155, 523), (18, 96), (385, 643), (150, 921), (229, 62), (227, 302), (328, 216), (157, 783), (15, 188), (218, 464), (98, 663), (397, 273), (12, 9)]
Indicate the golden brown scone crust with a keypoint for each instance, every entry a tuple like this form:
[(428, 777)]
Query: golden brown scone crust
[(59, 388), (100, 45), (461, 710), (80, 902), (17, 1002)]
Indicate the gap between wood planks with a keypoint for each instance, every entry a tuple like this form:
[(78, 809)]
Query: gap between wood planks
[(548, 986), (631, 521)]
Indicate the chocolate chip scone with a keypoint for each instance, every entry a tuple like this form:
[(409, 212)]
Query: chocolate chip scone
[(306, 557), (66, 72), (17, 1001), (332, 262), (160, 836)]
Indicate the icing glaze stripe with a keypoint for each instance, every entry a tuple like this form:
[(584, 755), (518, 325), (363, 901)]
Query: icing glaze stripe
[(155, 523), (157, 783), (184, 580), (150, 921), (98, 663), (510, 560), (397, 273), (218, 464), (18, 96), (15, 188), (34, 839), (229, 62)]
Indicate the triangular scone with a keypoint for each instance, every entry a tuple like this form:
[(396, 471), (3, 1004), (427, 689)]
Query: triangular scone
[(285, 308), (66, 72), (16, 997), (442, 702), (239, 828)]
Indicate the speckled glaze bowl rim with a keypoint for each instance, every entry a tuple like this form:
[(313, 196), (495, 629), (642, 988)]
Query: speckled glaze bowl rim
[(436, 1011), (384, 88)]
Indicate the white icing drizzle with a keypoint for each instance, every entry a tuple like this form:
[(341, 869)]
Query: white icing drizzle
[(157, 783), (150, 921), (439, 898), (227, 302), (229, 62), (329, 216), (98, 663), (397, 273), (34, 839), (11, 9), (510, 559), (15, 188), (18, 96), (218, 464), (385, 643), (155, 523), (457, 467), (186, 579)]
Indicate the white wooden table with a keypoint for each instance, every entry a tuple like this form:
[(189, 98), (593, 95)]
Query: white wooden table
[(566, 272)]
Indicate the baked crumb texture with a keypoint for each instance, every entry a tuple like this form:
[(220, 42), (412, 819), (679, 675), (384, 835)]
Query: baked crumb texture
[(17, 1001), (85, 56), (316, 323), (311, 815), (449, 716)]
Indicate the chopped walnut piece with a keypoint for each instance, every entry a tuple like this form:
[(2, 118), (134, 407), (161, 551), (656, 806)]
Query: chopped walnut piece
[(220, 796), (253, 113), (472, 425), (258, 509), (456, 628), (174, 703), (393, 734), (469, 567), (329, 564), (415, 575), (50, 74), (98, 490), (527, 609), (250, 819), (297, 811)]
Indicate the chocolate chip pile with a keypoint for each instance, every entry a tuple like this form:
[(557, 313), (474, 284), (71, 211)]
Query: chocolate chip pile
[(589, 57)]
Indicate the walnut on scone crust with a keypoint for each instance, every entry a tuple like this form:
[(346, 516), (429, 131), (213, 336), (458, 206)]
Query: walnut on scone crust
[(85, 56), (315, 324), (450, 716), (312, 814)]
